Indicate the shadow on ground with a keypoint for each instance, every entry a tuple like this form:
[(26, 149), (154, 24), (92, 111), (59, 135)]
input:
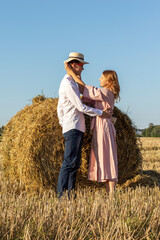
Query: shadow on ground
[(147, 178), (143, 178)]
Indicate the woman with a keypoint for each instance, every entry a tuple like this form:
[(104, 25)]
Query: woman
[(103, 165)]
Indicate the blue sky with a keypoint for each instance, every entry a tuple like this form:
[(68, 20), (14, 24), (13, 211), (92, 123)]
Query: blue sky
[(123, 35)]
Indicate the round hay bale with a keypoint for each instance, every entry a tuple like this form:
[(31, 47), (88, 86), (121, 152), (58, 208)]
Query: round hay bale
[(129, 147), (33, 146)]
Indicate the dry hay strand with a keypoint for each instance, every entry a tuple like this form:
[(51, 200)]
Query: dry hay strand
[(33, 146), (147, 178)]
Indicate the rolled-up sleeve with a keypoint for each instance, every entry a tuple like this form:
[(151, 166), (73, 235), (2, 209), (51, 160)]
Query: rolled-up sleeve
[(93, 93)]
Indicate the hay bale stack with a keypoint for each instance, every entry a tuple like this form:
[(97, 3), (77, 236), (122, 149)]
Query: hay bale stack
[(33, 146)]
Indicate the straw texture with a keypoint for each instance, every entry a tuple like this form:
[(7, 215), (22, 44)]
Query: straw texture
[(33, 147)]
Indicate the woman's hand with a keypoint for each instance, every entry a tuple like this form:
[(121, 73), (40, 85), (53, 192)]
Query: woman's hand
[(68, 68), (77, 78)]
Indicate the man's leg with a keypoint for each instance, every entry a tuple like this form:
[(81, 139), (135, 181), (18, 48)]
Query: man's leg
[(73, 139), (73, 172), (62, 184)]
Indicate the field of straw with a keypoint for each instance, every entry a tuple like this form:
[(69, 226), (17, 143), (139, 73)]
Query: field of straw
[(132, 213)]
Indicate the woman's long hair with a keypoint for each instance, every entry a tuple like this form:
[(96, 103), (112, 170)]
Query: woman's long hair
[(112, 83)]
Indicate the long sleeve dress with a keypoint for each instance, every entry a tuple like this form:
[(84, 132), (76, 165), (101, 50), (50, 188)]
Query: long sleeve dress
[(103, 157)]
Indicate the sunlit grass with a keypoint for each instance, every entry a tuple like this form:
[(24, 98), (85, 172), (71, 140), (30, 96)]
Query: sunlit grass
[(151, 153), (129, 214)]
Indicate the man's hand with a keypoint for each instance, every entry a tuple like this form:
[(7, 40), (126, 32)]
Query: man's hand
[(107, 113)]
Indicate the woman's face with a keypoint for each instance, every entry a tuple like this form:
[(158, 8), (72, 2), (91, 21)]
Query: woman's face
[(103, 81)]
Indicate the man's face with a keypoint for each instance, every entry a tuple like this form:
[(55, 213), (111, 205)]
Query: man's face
[(77, 68)]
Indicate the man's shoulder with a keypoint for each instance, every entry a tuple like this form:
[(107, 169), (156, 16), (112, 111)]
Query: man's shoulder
[(66, 84), (68, 80)]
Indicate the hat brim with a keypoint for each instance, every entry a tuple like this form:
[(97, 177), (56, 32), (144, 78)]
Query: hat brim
[(80, 60)]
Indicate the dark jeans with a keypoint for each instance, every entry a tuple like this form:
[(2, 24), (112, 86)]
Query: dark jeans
[(71, 162)]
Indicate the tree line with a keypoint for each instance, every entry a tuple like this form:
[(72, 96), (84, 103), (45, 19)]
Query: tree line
[(151, 131)]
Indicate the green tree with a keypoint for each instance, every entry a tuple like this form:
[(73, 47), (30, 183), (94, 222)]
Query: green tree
[(151, 125), (151, 131)]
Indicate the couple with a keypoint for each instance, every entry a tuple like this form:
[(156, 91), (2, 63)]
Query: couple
[(103, 158)]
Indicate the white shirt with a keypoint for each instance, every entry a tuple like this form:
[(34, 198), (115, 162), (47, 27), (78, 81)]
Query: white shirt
[(70, 108)]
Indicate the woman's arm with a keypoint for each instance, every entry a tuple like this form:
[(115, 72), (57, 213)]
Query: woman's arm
[(78, 80)]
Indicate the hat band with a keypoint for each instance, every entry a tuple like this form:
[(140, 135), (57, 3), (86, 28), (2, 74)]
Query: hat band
[(77, 57)]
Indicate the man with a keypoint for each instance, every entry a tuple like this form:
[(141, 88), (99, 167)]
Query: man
[(70, 112)]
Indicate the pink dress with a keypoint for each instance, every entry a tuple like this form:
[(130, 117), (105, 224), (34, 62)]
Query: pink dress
[(103, 157)]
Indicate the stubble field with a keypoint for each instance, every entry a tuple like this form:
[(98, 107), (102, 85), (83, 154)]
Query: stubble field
[(132, 213)]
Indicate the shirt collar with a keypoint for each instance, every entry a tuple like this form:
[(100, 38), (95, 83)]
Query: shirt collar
[(70, 78)]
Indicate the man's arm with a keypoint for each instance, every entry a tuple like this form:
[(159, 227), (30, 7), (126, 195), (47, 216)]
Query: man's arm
[(74, 97)]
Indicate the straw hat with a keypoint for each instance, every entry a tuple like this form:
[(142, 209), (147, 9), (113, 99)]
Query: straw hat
[(76, 56)]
